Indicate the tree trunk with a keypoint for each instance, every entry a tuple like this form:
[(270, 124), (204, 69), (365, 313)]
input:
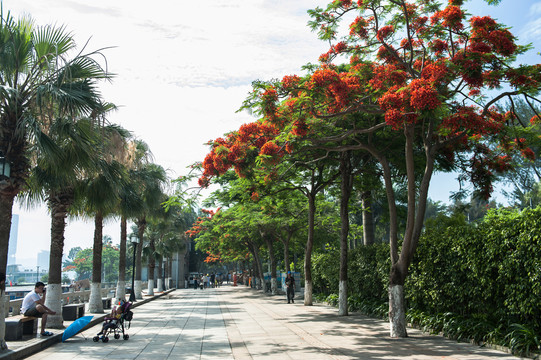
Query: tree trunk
[(368, 218), (397, 313), (151, 266), (141, 226), (308, 252), (58, 204), (8, 191), (346, 186), (95, 304), (258, 264), (180, 279), (121, 284), (272, 260), (286, 251), (6, 209), (160, 276)]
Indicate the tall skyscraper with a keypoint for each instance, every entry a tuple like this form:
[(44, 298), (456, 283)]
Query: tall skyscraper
[(13, 234)]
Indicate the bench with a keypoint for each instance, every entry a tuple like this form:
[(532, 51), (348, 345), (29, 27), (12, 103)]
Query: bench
[(72, 312), (19, 325), (106, 303)]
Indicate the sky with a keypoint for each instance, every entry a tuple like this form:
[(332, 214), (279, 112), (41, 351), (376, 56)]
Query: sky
[(183, 69)]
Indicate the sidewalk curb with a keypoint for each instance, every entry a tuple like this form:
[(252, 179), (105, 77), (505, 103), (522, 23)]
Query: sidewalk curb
[(44, 343)]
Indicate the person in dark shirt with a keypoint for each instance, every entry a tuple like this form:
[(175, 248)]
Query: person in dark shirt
[(290, 287)]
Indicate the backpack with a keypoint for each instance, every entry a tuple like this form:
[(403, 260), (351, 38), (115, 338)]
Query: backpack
[(128, 316)]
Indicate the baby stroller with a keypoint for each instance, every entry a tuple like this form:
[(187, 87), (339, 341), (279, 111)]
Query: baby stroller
[(117, 322)]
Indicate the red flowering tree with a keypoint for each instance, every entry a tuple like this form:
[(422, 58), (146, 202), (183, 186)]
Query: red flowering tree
[(229, 235), (419, 75), (258, 152), (427, 75)]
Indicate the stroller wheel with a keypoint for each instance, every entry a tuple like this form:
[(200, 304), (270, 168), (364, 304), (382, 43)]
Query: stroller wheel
[(96, 338), (117, 336), (105, 339), (126, 336)]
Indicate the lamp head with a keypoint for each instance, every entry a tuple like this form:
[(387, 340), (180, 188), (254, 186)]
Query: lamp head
[(134, 239), (5, 167)]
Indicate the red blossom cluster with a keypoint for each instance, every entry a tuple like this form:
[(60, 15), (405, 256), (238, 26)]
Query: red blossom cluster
[(198, 225), (423, 95), (338, 88), (69, 268), (386, 76), (359, 27), (487, 36), (384, 32), (334, 50), (255, 137), (269, 98), (212, 258), (270, 148), (403, 104), (289, 82), (437, 73), (471, 118), (535, 120), (450, 17)]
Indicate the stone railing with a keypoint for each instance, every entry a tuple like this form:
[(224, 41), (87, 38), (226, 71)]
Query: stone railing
[(76, 297)]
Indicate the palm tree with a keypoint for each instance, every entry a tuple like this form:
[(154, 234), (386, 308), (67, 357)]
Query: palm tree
[(134, 201), (150, 178), (101, 197), (129, 203), (36, 76), (165, 238), (129, 206), (59, 184)]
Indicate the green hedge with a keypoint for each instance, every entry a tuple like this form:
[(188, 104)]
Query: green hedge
[(478, 281), (492, 268), (368, 272)]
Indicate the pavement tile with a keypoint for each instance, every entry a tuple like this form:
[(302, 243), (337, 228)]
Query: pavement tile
[(244, 324)]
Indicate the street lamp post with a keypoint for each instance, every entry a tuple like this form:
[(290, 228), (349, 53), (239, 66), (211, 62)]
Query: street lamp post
[(134, 240)]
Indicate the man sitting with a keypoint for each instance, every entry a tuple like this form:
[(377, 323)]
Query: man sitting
[(34, 305)]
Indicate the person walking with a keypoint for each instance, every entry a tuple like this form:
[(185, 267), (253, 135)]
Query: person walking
[(290, 287)]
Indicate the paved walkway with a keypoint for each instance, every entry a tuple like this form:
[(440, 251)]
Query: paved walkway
[(241, 323)]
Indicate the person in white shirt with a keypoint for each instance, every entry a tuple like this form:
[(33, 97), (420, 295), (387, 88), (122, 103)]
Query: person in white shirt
[(34, 305)]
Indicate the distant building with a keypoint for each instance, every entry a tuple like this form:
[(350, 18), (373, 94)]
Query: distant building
[(43, 259), (26, 276), (13, 234)]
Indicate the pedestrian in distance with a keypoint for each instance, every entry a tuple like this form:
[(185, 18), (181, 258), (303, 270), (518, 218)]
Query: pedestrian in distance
[(34, 305), (290, 287)]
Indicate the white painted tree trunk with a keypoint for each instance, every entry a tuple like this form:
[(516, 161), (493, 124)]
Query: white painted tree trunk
[(160, 285), (138, 289), (120, 290), (274, 286), (343, 298), (150, 290), (95, 304), (4, 299), (308, 293), (53, 300), (397, 312)]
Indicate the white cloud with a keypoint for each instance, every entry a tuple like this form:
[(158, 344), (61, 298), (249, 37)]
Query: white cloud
[(535, 9), (183, 69)]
